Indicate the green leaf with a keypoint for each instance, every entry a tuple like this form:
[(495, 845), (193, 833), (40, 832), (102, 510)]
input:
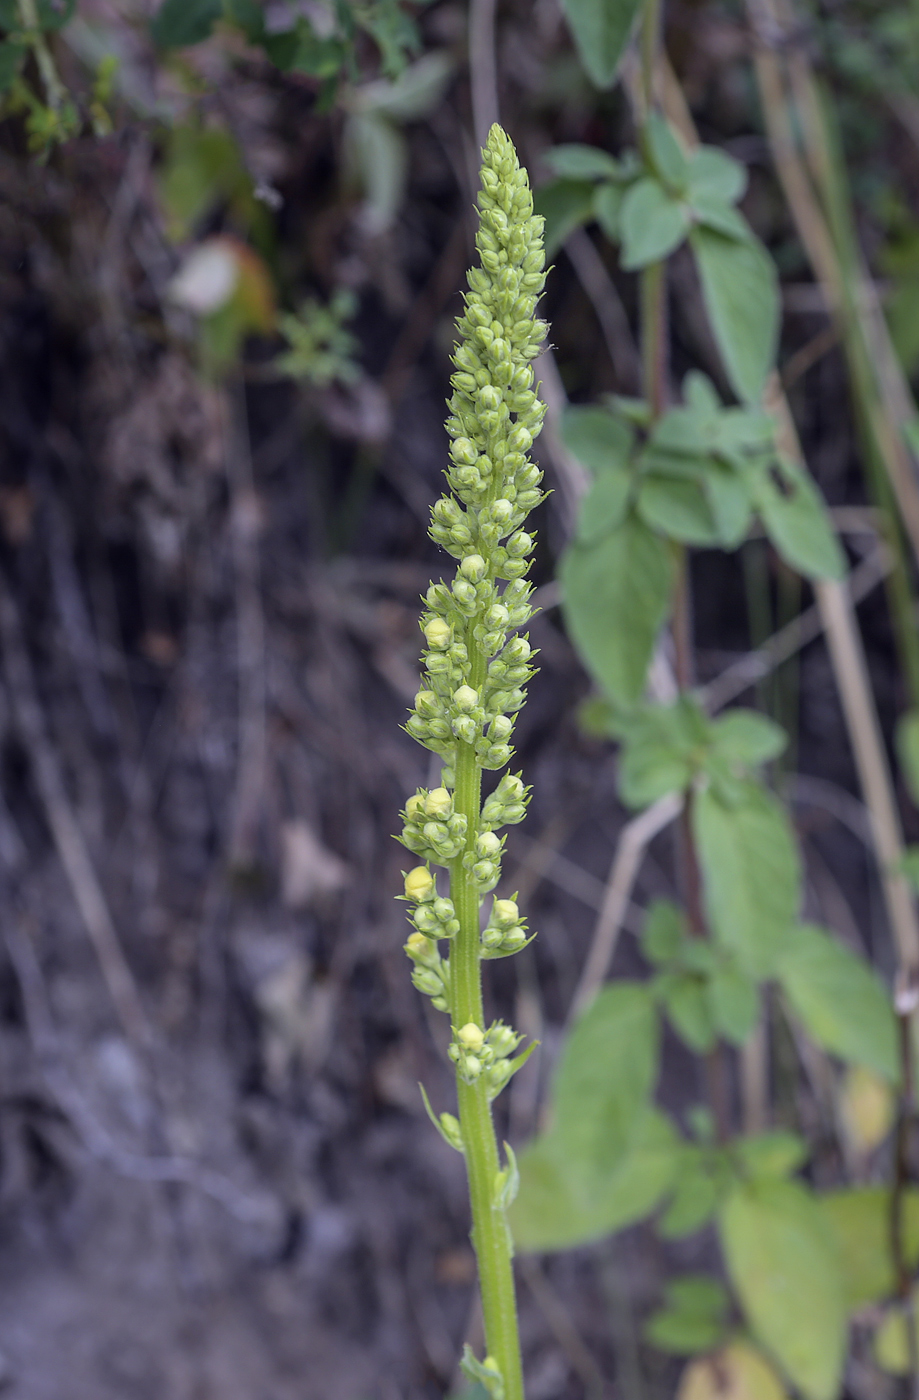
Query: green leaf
[(747, 738), (615, 595), (698, 1188), (693, 1317), (12, 57), (667, 153), (908, 751), (892, 1342), (53, 15), (652, 224), (417, 89), (606, 1074), (858, 1219), (782, 1263), (715, 175), (740, 289), (565, 205), (751, 874), (564, 1202), (840, 1001), (601, 30), (597, 438), (678, 508), (179, 23), (688, 1010), (378, 154), (796, 520), (734, 1002), (713, 213), (608, 210), (664, 931), (577, 162), (604, 507), (771, 1156), (659, 751)]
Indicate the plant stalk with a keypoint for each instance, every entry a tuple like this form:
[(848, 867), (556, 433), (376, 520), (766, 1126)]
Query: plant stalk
[(490, 1235)]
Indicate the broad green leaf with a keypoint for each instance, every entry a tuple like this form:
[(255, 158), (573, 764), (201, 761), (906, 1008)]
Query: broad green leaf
[(565, 205), (678, 509), (734, 1002), (608, 210), (839, 1001), (12, 57), (747, 738), (783, 1265), (796, 520), (891, 1341), (563, 1202), (616, 594), (688, 431), (667, 152), (577, 162), (731, 503), (715, 214), (692, 1318), (858, 1219), (597, 438), (604, 507), (689, 1010), (601, 30), (741, 297), (751, 875), (716, 175), (178, 23), (908, 751), (664, 931), (659, 750), (698, 1189), (652, 224), (417, 89), (867, 1107), (771, 1156), (736, 1372), (606, 1074), (203, 167)]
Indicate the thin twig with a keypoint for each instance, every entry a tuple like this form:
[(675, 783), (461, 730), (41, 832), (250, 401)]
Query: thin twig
[(630, 848), (593, 276)]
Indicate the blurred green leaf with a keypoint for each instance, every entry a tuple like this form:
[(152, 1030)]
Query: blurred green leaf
[(565, 205), (782, 1263), (627, 574), (858, 1218), (740, 290), (652, 222), (796, 520), (578, 162), (840, 1001), (693, 1317), (601, 30), (180, 23)]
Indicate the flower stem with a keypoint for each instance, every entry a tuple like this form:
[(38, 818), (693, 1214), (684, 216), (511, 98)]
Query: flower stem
[(490, 1235)]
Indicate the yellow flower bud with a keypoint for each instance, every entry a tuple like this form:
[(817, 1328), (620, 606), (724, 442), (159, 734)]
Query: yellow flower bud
[(417, 943), (419, 884), (438, 634), (471, 1036), (505, 912), (414, 806), (438, 803)]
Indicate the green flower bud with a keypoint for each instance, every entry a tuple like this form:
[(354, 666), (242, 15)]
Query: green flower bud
[(504, 913), (473, 568), (465, 698)]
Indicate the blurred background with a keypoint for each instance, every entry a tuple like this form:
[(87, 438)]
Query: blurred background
[(230, 260)]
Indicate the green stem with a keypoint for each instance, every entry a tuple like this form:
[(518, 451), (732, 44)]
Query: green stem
[(490, 1235)]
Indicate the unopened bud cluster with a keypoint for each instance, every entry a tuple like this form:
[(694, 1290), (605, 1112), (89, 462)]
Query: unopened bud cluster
[(476, 660), (484, 1054), (494, 417)]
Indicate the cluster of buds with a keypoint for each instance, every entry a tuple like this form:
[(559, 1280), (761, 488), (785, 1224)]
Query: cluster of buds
[(477, 1053), (430, 972), (432, 829), (494, 417), (505, 932), (507, 805)]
